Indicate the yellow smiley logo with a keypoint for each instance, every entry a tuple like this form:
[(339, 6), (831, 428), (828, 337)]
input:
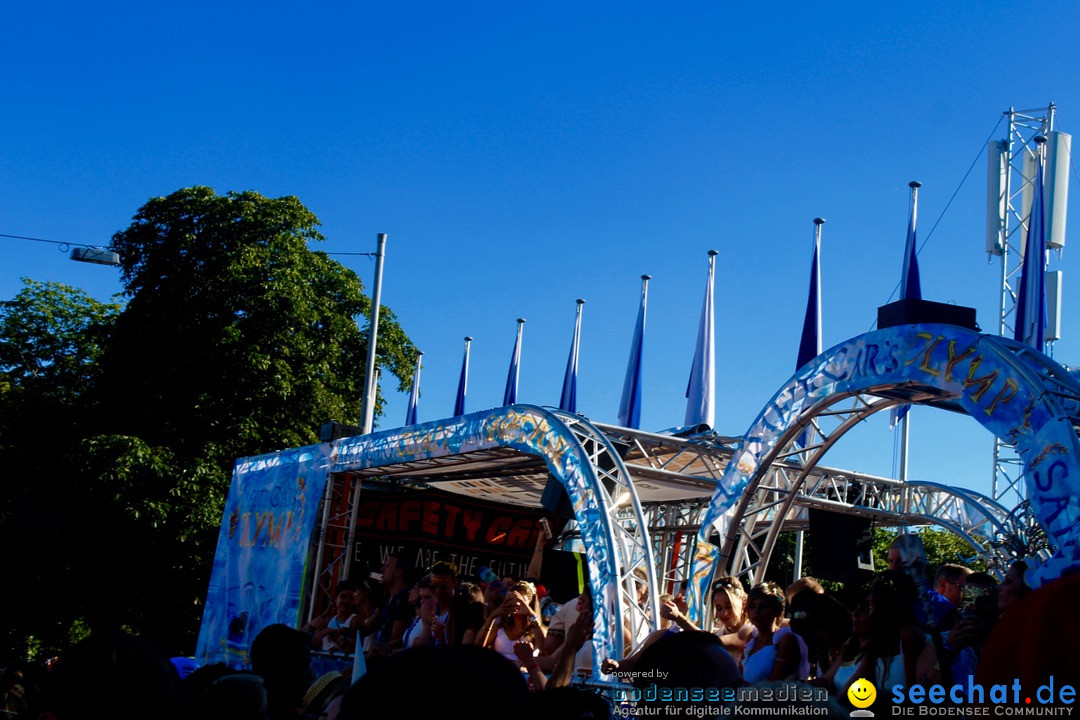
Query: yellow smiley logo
[(862, 693)]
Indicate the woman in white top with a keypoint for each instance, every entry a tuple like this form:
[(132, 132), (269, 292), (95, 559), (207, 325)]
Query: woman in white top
[(729, 615), (773, 651), (340, 632), (897, 651), (515, 620)]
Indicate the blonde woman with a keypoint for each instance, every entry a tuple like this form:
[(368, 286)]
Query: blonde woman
[(729, 615), (517, 619), (729, 606)]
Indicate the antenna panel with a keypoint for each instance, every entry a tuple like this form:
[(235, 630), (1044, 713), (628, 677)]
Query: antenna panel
[(1058, 146)]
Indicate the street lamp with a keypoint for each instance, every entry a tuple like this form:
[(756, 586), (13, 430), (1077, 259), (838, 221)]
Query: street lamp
[(96, 255)]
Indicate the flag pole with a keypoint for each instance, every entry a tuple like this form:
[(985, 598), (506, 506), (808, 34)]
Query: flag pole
[(904, 437), (568, 398), (809, 348), (630, 404), (414, 396), (1030, 313), (910, 285), (701, 388), (910, 289), (512, 377), (463, 381), (371, 390), (370, 387), (816, 279)]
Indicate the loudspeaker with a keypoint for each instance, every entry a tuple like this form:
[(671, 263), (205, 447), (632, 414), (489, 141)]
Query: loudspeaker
[(555, 501), (913, 312), (561, 572), (840, 546)]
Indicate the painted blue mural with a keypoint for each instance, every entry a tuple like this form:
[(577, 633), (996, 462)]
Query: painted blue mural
[(259, 566)]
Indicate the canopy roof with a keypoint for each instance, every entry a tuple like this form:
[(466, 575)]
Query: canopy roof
[(664, 467)]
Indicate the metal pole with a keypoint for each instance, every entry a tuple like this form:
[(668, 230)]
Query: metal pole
[(369, 407), (376, 302), (321, 547), (370, 393), (1004, 295), (797, 569), (904, 446)]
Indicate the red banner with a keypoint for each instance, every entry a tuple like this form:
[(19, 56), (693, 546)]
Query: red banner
[(423, 527)]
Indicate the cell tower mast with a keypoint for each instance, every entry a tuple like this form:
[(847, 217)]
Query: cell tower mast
[(1010, 180)]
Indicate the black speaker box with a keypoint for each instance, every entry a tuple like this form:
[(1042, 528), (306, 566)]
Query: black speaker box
[(840, 546), (912, 312)]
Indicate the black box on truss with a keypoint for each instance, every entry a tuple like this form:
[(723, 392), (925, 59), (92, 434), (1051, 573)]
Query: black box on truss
[(840, 546), (912, 312)]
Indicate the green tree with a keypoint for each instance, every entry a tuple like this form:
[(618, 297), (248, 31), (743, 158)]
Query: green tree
[(942, 546), (236, 339), (51, 338)]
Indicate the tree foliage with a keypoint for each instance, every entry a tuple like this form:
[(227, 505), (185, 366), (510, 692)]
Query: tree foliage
[(51, 338), (256, 333), (942, 547), (120, 426)]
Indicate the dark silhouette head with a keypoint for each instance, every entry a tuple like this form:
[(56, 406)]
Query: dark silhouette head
[(282, 656), (425, 681)]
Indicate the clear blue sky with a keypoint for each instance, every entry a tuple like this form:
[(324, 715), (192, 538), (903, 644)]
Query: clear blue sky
[(523, 155)]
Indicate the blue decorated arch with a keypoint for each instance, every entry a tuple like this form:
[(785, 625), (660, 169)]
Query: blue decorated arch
[(261, 560), (531, 430), (1001, 385)]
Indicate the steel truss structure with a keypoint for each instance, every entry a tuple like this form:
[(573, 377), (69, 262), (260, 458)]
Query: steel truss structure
[(653, 489), (1017, 153), (640, 499), (796, 483)]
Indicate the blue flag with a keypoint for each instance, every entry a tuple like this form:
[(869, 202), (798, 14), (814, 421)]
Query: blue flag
[(414, 396), (1030, 320), (568, 399), (630, 404), (910, 288), (510, 393), (810, 345), (701, 389), (463, 382)]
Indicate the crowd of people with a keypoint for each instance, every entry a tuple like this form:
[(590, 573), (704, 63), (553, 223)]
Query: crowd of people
[(432, 641)]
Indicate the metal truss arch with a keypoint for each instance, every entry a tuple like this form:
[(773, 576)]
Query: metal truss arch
[(629, 532), (1018, 395), (501, 454), (761, 513)]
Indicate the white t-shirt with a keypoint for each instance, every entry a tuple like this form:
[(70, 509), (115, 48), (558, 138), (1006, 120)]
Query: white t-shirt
[(327, 642), (564, 618)]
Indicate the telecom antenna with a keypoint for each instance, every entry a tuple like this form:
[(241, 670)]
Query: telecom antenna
[(1010, 181)]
